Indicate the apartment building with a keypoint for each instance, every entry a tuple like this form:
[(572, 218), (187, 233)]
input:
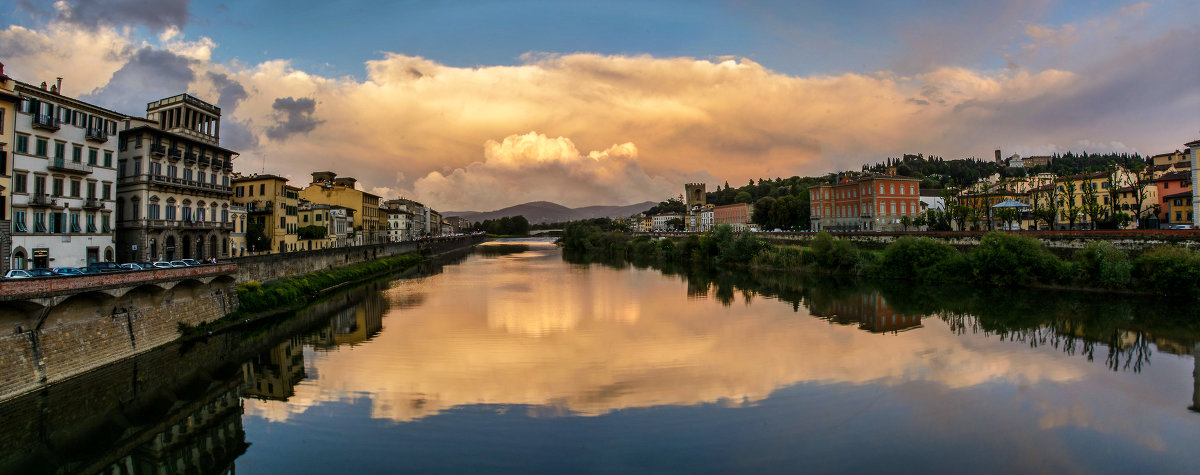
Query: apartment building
[(63, 175), (865, 203), (271, 212), (369, 222), (9, 102), (173, 189)]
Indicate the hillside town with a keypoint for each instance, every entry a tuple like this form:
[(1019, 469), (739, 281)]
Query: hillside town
[(81, 184), (1155, 192)]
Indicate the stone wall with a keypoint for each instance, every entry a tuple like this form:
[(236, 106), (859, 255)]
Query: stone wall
[(91, 329), (268, 267), (5, 246), (1132, 241)]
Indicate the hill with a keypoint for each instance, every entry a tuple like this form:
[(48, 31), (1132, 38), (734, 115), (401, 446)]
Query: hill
[(541, 212)]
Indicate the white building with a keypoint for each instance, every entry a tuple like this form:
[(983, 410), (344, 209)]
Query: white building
[(400, 225), (237, 234), (63, 180), (659, 221), (343, 223)]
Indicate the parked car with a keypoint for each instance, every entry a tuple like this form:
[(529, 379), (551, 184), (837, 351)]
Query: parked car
[(105, 267), (161, 265), (178, 264), (191, 262), (25, 274), (88, 270), (66, 271), (131, 266)]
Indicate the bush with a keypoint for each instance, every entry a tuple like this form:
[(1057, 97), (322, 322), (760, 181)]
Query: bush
[(834, 255), (1007, 259), (782, 257), (921, 259), (1169, 270), (1102, 265), (283, 293)]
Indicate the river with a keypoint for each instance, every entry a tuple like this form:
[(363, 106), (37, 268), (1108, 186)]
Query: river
[(511, 358)]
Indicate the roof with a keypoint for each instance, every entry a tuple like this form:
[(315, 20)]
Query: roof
[(1180, 175), (1011, 204), (258, 177), (1182, 194), (157, 130)]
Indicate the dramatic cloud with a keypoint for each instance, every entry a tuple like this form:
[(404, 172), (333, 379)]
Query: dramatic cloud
[(153, 14), (149, 75), (295, 116), (533, 167)]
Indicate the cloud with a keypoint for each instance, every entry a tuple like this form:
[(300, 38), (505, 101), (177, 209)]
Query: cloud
[(532, 167), (150, 74), (153, 14), (295, 116)]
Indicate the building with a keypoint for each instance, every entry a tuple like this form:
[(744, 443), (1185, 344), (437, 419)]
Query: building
[(63, 177), (736, 215), (369, 222), (343, 225), (434, 226), (400, 224), (1194, 149), (1170, 158), (1037, 161), (865, 203), (1167, 186), (460, 224), (413, 219), (316, 230), (662, 222), (694, 195), (9, 102), (173, 190), (237, 232), (271, 209), (1179, 209)]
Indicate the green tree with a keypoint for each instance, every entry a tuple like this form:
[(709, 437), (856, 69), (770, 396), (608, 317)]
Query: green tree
[(742, 197), (256, 240), (762, 213)]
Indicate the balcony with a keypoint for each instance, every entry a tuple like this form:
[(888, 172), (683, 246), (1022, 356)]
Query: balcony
[(44, 121), (189, 158), (93, 204), (175, 224), (259, 207), (96, 134), (205, 161), (158, 149), (42, 200), (189, 184), (174, 154), (59, 164)]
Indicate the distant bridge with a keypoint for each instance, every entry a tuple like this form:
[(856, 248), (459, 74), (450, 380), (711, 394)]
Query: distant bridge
[(546, 233)]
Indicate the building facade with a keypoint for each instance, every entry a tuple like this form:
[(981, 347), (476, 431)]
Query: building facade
[(9, 101), (867, 203), (63, 177), (271, 209), (328, 188), (1193, 149), (173, 190), (736, 215)]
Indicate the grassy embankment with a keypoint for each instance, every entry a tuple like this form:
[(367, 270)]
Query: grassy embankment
[(1001, 259), (283, 295)]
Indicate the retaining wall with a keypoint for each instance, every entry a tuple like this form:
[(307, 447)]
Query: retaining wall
[(1132, 241)]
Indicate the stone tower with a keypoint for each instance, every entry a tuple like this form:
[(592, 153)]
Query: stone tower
[(693, 195)]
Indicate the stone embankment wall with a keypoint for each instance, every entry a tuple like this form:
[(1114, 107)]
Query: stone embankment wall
[(1132, 241), (268, 267)]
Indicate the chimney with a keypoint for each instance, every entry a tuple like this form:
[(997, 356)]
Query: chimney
[(58, 88)]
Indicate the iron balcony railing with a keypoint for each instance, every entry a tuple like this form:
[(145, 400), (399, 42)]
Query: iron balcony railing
[(61, 164), (97, 134), (45, 121)]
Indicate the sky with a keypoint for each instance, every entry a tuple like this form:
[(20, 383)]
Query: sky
[(478, 105)]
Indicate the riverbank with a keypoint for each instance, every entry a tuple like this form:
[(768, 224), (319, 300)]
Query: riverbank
[(1000, 260)]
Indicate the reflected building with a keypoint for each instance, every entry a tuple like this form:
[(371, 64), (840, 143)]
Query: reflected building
[(274, 373), (353, 325), (870, 311), (205, 440)]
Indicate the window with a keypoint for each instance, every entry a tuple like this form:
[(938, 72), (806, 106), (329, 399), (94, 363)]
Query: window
[(200, 177), (187, 214), (108, 159), (137, 167), (91, 223), (77, 154), (19, 182), (282, 222), (107, 187), (170, 212), (91, 156), (262, 188), (238, 192), (39, 222), (155, 168), (153, 211), (22, 143), (187, 174), (39, 185), (75, 223), (60, 150), (40, 147), (19, 220), (91, 189), (58, 187), (75, 185)]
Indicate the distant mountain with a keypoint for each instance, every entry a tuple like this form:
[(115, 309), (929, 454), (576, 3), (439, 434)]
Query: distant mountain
[(538, 212)]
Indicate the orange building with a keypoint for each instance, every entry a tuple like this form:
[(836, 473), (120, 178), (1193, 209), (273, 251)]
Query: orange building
[(872, 202), (736, 215)]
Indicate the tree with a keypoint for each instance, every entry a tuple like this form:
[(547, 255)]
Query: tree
[(315, 231), (906, 221), (742, 197), (762, 213), (1007, 216), (256, 239), (675, 224), (787, 211)]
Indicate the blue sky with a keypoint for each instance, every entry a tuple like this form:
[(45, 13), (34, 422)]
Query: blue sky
[(475, 94)]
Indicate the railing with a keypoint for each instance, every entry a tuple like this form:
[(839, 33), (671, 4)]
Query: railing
[(68, 166), (41, 200), (174, 153), (189, 158), (259, 207), (92, 203), (158, 149), (96, 133), (190, 184), (205, 161), (170, 223), (45, 121)]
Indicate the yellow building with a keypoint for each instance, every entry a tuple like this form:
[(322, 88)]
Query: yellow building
[(369, 222), (8, 115), (313, 216), (1077, 194), (271, 207)]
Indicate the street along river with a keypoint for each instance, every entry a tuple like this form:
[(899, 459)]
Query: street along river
[(512, 358)]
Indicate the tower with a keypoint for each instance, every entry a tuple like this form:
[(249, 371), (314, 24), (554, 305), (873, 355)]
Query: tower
[(693, 195)]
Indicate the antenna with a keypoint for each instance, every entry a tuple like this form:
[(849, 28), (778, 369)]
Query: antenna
[(264, 163)]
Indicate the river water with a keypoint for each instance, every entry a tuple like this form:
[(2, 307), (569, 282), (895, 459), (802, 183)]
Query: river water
[(514, 359)]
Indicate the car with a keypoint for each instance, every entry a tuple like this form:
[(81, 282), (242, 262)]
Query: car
[(131, 266), (88, 270), (17, 274), (66, 271), (191, 262), (178, 264), (161, 265), (105, 267)]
